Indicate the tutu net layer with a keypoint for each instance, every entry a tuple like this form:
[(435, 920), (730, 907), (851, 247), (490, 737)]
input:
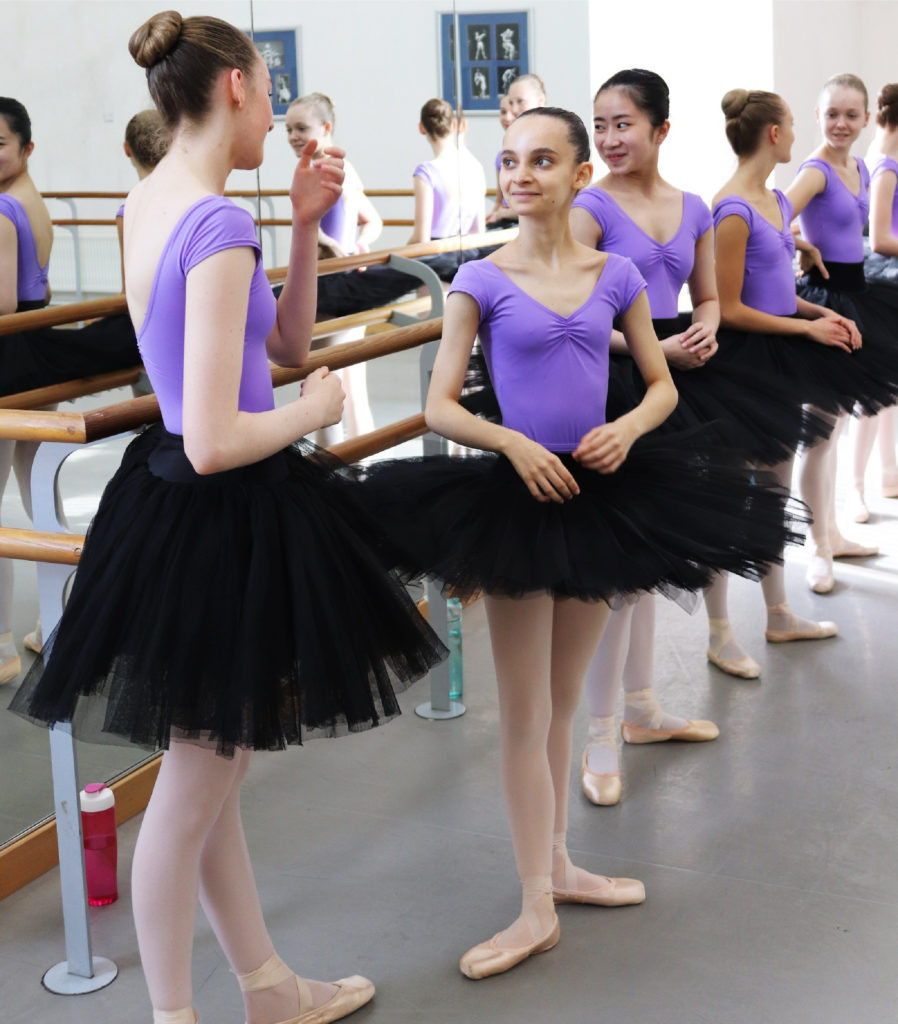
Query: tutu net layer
[(667, 519), (246, 607)]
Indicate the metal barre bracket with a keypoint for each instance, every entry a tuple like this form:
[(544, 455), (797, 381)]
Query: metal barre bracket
[(426, 276)]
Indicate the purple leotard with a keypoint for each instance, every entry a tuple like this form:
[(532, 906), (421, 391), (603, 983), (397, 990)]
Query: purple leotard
[(665, 266), (449, 217), (31, 277), (341, 223), (207, 227), (550, 372), (834, 219), (769, 281), (883, 165)]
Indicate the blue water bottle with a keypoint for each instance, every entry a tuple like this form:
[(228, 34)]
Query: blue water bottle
[(456, 664)]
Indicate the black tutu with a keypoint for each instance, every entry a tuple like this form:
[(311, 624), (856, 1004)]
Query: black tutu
[(251, 607), (666, 520), (53, 355), (882, 271), (746, 411)]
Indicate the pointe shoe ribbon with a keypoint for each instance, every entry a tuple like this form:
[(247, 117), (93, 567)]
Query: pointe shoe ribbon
[(351, 993), (698, 731), (600, 788), (814, 631), (616, 892), (486, 958)]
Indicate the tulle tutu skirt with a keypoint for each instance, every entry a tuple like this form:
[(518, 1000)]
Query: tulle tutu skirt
[(250, 608), (747, 411), (666, 520), (52, 355)]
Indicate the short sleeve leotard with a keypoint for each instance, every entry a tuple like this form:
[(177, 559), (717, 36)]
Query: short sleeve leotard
[(31, 280), (525, 343), (886, 165), (341, 223), (666, 266), (834, 219), (209, 226), (450, 216), (769, 282)]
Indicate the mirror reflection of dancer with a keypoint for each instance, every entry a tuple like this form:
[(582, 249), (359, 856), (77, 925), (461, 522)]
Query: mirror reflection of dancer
[(561, 512), (208, 609), (26, 237), (351, 225), (831, 198), (146, 143), (524, 93), (881, 268)]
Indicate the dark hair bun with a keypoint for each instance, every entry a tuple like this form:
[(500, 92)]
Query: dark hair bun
[(155, 38), (734, 103)]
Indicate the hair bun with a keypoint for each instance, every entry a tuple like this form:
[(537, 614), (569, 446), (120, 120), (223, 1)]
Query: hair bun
[(888, 96), (155, 38), (735, 101)]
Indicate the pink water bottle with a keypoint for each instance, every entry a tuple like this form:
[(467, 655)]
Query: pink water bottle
[(98, 825)]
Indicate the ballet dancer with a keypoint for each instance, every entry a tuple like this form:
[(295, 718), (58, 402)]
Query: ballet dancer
[(831, 198), (208, 612), (497, 215), (26, 238), (559, 515), (524, 93), (879, 268)]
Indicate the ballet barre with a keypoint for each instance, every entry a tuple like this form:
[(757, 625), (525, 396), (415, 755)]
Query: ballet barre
[(57, 551)]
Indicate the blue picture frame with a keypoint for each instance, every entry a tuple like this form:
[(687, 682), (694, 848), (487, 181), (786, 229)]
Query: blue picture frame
[(278, 48), (494, 50)]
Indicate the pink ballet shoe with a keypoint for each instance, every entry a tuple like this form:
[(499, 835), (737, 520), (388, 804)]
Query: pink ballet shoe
[(185, 1016), (601, 788), (889, 488), (857, 508), (745, 667), (613, 892), (816, 631), (351, 994), (33, 642), (845, 548), (820, 573), (10, 668), (699, 731), (487, 958)]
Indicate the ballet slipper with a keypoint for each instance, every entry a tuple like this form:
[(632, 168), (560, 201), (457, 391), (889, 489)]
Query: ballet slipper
[(601, 788), (185, 1016), (34, 642), (571, 884), (488, 958), (842, 547), (10, 668), (351, 992), (857, 507), (889, 487), (814, 631), (745, 667), (820, 572), (698, 731)]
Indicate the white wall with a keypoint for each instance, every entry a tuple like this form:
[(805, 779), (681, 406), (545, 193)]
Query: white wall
[(815, 39), (701, 48)]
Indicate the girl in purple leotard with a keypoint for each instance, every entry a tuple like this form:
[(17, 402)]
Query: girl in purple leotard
[(881, 272), (831, 197), (209, 609), (563, 511)]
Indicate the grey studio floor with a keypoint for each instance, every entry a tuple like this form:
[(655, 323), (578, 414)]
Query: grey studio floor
[(768, 856)]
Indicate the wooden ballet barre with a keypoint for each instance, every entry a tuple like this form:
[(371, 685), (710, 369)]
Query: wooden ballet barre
[(381, 439), (34, 546), (67, 390), (53, 316)]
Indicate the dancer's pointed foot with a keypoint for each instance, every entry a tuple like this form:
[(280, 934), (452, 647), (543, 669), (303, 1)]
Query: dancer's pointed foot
[(645, 721), (727, 654), (842, 547), (535, 931), (571, 884), (784, 626), (600, 766), (820, 571)]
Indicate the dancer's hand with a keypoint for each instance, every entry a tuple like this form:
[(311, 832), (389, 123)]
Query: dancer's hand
[(604, 448), (855, 339), (317, 184), (691, 349), (832, 332), (809, 256), (325, 388), (546, 476)]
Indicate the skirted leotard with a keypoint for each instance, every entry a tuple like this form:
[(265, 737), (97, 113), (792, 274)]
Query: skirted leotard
[(746, 411), (666, 519), (248, 606)]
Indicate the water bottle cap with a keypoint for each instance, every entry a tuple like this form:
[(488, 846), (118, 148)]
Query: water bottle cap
[(96, 797)]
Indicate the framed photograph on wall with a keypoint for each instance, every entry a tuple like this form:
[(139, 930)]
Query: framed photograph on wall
[(278, 49), (493, 51)]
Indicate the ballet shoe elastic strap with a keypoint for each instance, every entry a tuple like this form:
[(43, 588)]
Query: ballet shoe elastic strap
[(185, 1016), (271, 973)]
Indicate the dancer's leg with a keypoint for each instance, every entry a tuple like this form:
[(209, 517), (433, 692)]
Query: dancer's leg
[(817, 465), (641, 706), (886, 436), (604, 676), (521, 639), (357, 418), (864, 433), (230, 901), (840, 546), (723, 649)]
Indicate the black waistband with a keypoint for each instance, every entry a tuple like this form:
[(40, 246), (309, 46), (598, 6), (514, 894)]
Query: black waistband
[(843, 277), (665, 326), (25, 305), (168, 462)]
